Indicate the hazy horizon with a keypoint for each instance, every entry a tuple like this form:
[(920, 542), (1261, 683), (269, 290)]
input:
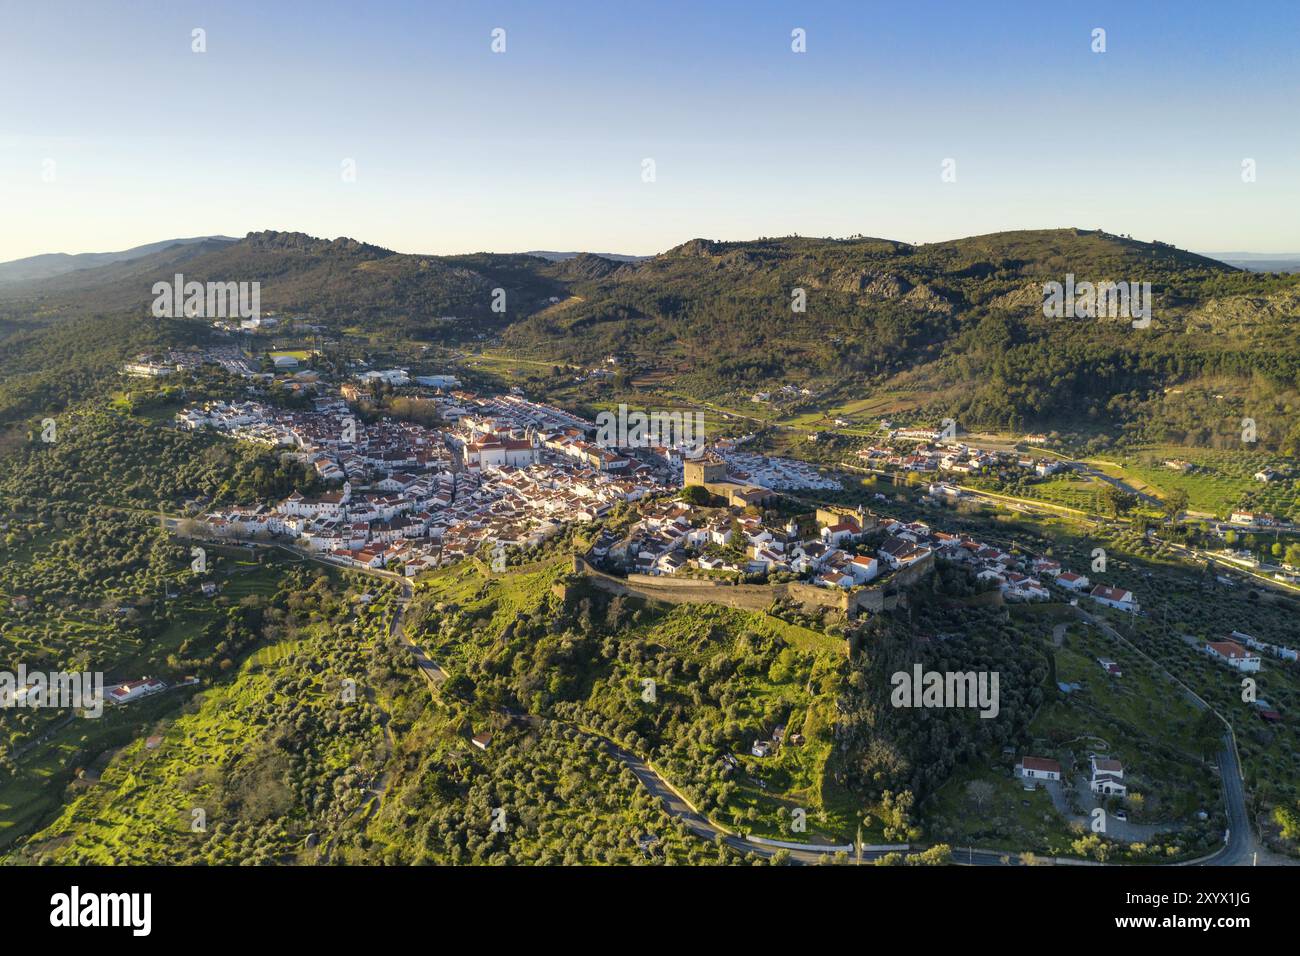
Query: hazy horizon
[(124, 134), (555, 250)]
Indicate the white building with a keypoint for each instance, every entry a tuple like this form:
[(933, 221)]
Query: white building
[(1072, 582), (1038, 768), (1107, 777), (438, 381), (495, 454), (1117, 598), (863, 568), (392, 376), (1234, 655), (134, 690)]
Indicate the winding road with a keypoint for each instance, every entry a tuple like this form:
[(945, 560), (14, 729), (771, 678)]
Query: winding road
[(1240, 848)]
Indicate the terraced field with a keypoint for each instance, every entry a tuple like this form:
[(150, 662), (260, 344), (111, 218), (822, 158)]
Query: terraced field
[(1220, 481)]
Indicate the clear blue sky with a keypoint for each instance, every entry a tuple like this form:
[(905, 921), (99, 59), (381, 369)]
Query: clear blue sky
[(459, 149)]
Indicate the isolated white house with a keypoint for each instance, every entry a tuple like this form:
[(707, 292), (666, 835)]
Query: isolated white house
[(1038, 768), (1117, 598), (134, 690), (1234, 655)]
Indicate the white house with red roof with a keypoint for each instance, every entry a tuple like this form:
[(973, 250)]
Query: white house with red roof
[(1234, 655), (1072, 582), (1107, 777), (1046, 566), (1038, 768), (863, 568), (1117, 598), (1020, 587), (135, 689), (836, 534), (835, 579), (494, 454)]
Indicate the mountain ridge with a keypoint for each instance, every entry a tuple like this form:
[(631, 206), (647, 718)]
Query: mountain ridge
[(957, 328), (51, 264)]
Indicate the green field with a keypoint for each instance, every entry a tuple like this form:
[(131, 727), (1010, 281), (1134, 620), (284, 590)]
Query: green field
[(1220, 482), (142, 809), (607, 698), (1138, 718)]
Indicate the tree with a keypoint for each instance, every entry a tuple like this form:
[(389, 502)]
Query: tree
[(1208, 733), (1289, 820), (695, 494), (937, 855), (980, 792), (1113, 501), (1176, 503)]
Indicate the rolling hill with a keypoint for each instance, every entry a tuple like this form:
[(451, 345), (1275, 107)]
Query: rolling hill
[(956, 329), (340, 280), (49, 265)]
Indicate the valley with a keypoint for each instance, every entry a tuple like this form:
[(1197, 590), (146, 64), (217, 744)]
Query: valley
[(326, 462)]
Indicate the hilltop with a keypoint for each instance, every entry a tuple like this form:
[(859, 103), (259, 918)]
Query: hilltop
[(955, 328), (342, 280)]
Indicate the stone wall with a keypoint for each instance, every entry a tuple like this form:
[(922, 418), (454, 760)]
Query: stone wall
[(758, 597)]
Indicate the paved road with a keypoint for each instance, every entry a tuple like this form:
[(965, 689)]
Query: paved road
[(432, 673), (1227, 567), (1241, 846), (696, 822), (1024, 504), (1239, 850), (1090, 472)]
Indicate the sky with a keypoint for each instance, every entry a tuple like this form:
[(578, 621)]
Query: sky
[(114, 132)]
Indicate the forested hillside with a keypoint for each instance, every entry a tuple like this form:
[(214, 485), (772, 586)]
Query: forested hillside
[(958, 327), (953, 329)]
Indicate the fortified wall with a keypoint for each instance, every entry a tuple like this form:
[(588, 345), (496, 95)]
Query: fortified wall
[(759, 597)]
